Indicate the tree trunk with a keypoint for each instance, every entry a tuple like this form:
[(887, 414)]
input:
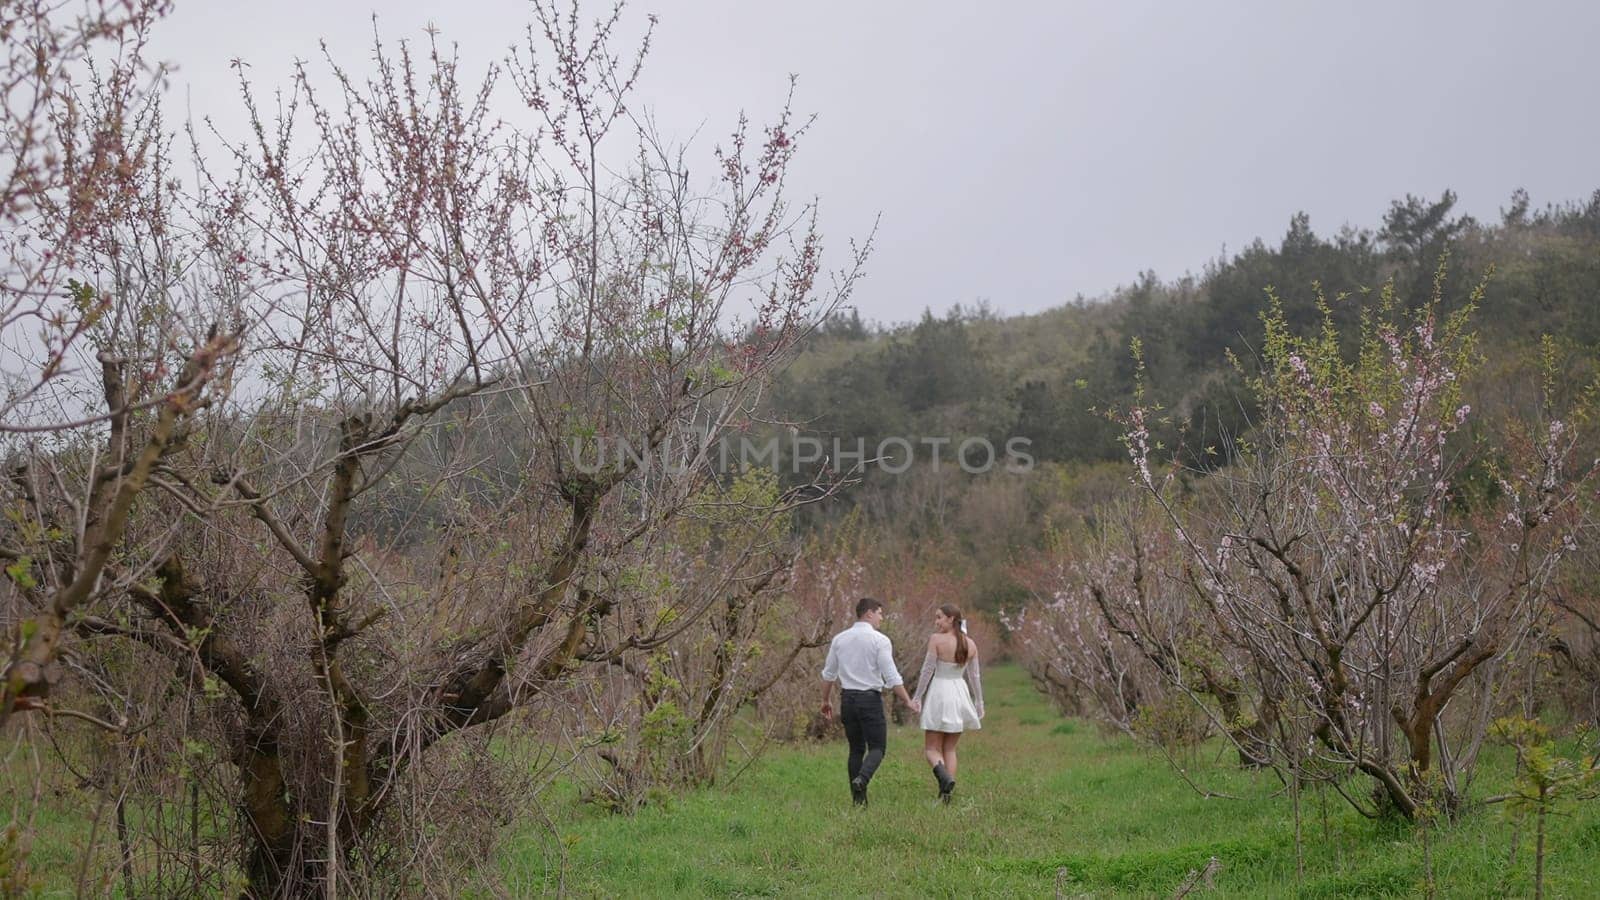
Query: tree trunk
[(268, 822)]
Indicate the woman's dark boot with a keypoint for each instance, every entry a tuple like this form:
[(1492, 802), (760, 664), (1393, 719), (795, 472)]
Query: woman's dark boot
[(946, 783)]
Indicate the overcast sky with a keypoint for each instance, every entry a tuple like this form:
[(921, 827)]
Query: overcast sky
[(1026, 153)]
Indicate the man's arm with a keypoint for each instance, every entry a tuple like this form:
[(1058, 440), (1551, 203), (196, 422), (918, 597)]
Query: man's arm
[(913, 705), (830, 674)]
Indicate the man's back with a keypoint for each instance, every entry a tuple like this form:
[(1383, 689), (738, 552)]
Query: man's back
[(861, 658), (861, 662)]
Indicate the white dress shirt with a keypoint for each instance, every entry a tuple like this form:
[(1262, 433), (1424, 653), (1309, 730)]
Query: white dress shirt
[(860, 658)]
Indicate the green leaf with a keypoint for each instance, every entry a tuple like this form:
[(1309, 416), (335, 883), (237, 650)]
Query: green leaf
[(21, 573)]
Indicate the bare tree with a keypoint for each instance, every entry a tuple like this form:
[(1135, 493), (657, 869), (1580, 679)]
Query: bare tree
[(65, 169), (137, 333), (494, 372), (1386, 617), (1116, 629)]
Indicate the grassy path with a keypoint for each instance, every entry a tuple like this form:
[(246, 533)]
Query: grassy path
[(1044, 805)]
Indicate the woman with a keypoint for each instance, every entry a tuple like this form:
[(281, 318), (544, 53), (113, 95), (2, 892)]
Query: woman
[(950, 693)]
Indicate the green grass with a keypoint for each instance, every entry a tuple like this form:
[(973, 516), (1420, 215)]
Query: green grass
[(1042, 804)]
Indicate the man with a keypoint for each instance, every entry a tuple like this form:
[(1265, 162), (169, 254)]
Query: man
[(861, 660)]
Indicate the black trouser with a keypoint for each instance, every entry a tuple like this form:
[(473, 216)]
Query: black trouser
[(861, 712)]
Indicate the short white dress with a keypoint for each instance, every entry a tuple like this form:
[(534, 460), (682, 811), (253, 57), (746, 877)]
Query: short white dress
[(951, 695)]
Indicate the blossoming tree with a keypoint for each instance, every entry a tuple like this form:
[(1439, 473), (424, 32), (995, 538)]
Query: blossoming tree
[(1384, 611)]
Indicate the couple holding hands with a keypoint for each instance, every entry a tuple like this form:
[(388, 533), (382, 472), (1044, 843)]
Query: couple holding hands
[(949, 695)]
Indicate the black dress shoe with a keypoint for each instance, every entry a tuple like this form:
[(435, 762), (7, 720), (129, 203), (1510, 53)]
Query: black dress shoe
[(858, 792)]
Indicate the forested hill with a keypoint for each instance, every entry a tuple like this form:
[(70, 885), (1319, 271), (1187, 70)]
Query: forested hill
[(1048, 376), (1051, 377)]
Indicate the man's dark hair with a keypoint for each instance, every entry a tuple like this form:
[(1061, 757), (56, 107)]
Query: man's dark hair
[(866, 605)]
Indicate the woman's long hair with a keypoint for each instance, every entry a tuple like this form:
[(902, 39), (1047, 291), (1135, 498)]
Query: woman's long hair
[(954, 612)]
